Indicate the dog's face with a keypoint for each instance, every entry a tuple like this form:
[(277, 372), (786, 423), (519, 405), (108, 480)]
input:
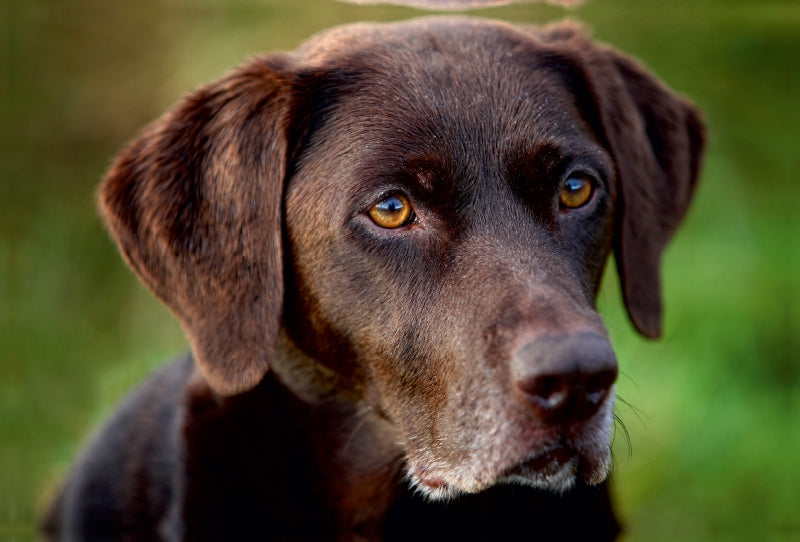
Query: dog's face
[(422, 212), (431, 238)]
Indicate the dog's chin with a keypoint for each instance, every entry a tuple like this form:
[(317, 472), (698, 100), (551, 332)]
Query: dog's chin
[(555, 470)]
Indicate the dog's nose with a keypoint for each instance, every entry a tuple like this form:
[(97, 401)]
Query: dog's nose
[(565, 378)]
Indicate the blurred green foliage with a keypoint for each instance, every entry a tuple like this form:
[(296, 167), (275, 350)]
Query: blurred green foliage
[(711, 411)]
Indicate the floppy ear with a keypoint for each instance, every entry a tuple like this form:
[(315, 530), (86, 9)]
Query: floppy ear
[(657, 139), (195, 206)]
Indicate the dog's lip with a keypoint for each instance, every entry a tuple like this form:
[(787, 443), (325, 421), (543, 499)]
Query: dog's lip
[(429, 479), (542, 464)]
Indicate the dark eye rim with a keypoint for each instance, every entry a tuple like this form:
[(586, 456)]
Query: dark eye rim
[(594, 187)]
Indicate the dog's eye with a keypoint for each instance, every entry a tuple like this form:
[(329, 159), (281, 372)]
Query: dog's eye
[(576, 191), (392, 212)]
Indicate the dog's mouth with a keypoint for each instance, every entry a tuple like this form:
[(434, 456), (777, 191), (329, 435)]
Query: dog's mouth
[(515, 452), (554, 469)]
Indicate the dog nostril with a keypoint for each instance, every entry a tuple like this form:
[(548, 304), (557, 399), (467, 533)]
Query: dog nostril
[(573, 396), (550, 395), (598, 384), (549, 392)]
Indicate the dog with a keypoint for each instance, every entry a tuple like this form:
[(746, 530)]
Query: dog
[(384, 249)]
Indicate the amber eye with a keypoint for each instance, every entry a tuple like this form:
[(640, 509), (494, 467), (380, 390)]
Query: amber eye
[(392, 212), (576, 191)]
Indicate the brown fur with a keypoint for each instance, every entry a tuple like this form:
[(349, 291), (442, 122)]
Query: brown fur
[(343, 366)]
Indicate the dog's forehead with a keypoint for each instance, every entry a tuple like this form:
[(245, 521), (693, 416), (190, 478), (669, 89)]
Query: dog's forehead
[(469, 92), (431, 34), (447, 67)]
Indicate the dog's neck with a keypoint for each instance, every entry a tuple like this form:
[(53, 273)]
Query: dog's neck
[(339, 462)]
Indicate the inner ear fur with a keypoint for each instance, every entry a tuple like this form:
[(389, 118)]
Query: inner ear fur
[(195, 206)]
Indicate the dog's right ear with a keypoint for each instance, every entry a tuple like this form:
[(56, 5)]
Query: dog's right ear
[(195, 206)]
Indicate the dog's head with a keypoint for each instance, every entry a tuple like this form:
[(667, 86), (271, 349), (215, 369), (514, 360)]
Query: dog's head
[(418, 216)]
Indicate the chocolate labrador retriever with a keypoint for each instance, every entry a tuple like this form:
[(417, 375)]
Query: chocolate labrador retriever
[(385, 249)]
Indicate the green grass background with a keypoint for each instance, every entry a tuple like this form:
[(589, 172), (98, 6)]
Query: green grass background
[(713, 418)]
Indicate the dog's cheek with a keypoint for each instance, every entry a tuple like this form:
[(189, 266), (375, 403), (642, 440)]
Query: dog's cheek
[(587, 242), (351, 312), (394, 350), (370, 309), (434, 381), (312, 317)]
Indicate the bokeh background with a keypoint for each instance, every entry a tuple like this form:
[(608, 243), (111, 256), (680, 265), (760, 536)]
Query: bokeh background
[(712, 410)]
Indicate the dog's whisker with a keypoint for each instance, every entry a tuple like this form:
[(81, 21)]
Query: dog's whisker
[(618, 423), (640, 414), (629, 377)]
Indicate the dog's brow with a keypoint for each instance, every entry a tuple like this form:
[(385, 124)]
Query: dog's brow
[(426, 178), (426, 171), (551, 155)]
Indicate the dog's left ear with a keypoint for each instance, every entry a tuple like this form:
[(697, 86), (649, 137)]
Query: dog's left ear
[(195, 206), (657, 139)]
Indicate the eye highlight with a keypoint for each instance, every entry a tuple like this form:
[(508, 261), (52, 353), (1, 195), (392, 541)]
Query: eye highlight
[(576, 191), (392, 212)]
